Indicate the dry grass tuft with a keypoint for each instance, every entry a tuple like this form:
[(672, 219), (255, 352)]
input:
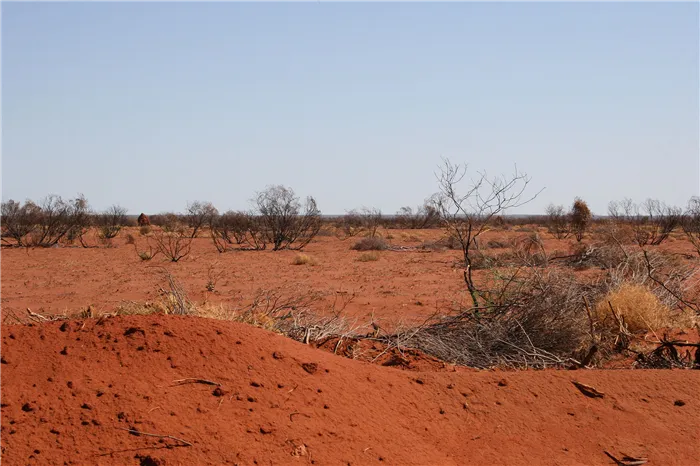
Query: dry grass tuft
[(368, 257), (304, 259), (640, 308)]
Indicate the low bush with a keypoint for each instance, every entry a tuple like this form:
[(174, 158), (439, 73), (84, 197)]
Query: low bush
[(370, 244), (640, 309)]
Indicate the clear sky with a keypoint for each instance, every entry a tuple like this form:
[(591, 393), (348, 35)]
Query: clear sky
[(152, 105)]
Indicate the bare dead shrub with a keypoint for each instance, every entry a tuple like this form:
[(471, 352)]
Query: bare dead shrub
[(283, 221), (466, 214), (199, 214), (651, 222), (534, 320), (580, 218), (691, 223), (557, 221), (146, 253), (425, 216), (365, 220), (529, 249), (175, 244), (168, 221), (213, 277), (18, 220), (231, 228), (351, 224), (111, 221), (175, 298), (57, 218), (370, 244)]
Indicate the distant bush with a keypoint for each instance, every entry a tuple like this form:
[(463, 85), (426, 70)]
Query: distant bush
[(580, 218), (229, 228), (58, 220), (425, 216), (651, 222), (691, 222), (19, 220), (557, 221), (198, 215), (168, 221), (174, 244), (365, 220), (370, 244), (144, 230), (111, 221), (283, 221)]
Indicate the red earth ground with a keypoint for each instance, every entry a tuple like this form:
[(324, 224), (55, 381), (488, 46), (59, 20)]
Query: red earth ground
[(402, 285), (71, 391)]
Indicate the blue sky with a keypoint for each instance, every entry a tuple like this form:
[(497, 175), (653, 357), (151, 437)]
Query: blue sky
[(152, 105)]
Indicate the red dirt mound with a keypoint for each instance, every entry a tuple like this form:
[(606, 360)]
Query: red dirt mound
[(89, 392)]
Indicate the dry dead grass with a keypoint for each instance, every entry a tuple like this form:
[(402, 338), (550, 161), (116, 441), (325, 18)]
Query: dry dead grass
[(304, 259), (640, 308), (368, 257)]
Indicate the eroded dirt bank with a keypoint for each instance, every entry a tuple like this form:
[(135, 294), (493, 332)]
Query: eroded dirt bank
[(71, 391)]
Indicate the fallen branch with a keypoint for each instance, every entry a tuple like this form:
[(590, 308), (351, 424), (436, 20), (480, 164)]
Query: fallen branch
[(192, 380), (587, 390), (40, 318), (137, 433)]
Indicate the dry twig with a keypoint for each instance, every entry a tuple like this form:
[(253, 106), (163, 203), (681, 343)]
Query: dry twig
[(194, 380), (137, 433)]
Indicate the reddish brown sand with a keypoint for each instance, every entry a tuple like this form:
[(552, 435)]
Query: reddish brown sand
[(403, 285), (70, 389)]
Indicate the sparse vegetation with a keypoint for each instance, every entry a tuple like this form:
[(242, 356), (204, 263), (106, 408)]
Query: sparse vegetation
[(638, 309), (691, 223), (580, 218), (370, 244), (650, 223), (175, 243), (425, 216), (282, 220), (48, 223), (365, 220), (526, 306), (19, 220), (466, 214), (557, 221), (200, 214), (111, 221), (371, 256), (304, 259)]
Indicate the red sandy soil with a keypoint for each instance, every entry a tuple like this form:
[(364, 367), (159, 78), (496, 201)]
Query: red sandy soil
[(69, 389), (400, 286)]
